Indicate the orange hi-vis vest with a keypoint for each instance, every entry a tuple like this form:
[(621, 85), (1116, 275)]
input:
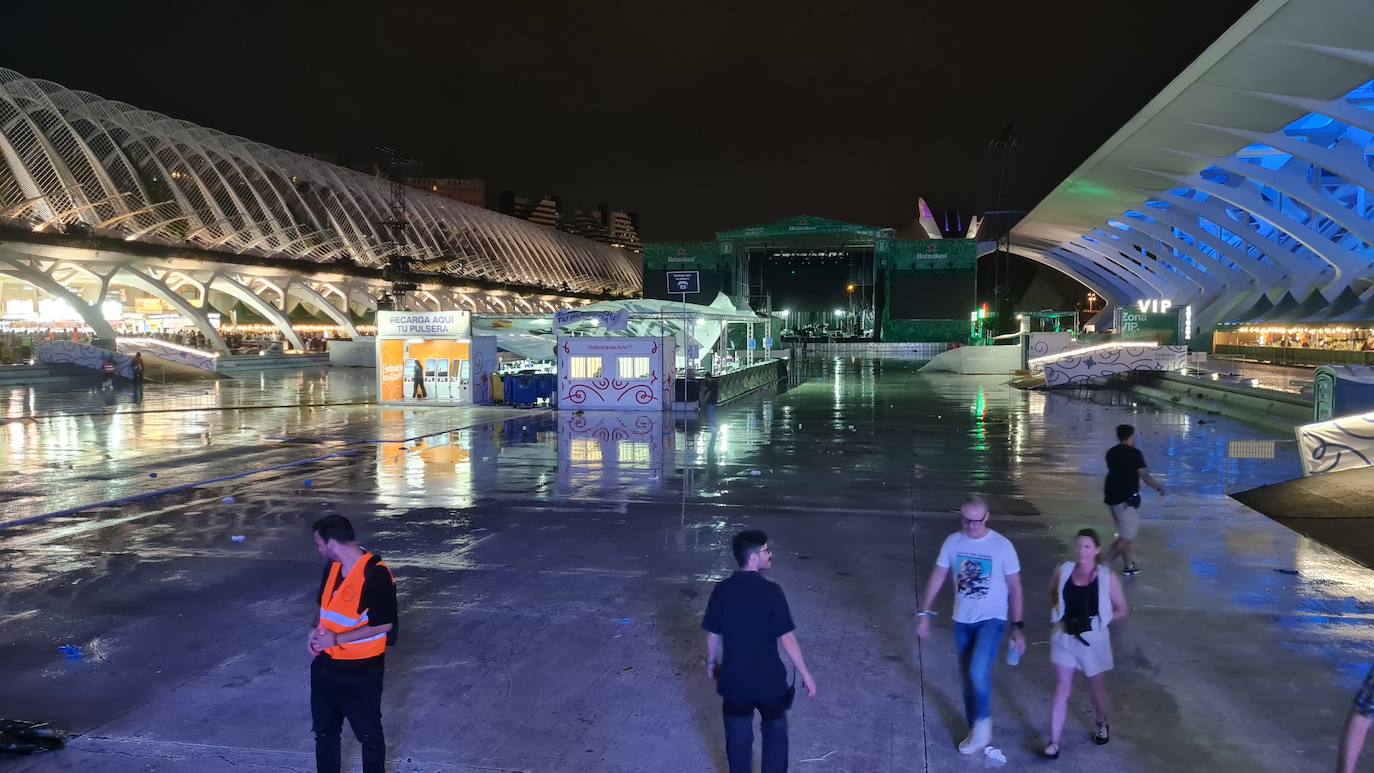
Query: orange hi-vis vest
[(339, 612)]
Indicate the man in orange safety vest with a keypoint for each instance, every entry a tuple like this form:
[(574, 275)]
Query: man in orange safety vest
[(357, 621)]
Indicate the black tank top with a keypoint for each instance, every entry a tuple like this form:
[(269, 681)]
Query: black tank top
[(1080, 600)]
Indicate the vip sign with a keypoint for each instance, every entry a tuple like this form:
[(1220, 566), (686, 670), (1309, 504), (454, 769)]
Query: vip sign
[(1154, 306), (1149, 320)]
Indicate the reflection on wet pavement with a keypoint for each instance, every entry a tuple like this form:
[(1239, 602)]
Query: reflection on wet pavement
[(62, 461), (553, 568), (295, 387)]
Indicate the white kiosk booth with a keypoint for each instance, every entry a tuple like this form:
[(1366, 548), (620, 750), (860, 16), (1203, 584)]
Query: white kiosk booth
[(614, 373), (432, 358)]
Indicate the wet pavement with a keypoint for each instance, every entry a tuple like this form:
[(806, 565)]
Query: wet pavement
[(553, 569), (1292, 379), (62, 456), (268, 388)]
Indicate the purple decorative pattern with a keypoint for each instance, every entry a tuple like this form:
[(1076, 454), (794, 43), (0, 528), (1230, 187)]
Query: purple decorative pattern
[(1345, 443), (152, 347), (1072, 368), (81, 355)]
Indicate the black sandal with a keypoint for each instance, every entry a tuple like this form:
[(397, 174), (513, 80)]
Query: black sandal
[(1103, 734), (1045, 752)]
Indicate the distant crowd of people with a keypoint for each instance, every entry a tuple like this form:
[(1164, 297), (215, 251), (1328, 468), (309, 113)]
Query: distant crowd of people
[(1316, 342), (17, 346)]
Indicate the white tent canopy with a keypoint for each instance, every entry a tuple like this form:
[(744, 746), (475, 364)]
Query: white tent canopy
[(532, 336)]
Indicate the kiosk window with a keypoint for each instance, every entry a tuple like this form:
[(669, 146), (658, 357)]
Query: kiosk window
[(585, 367), (634, 453), (633, 367), (584, 450)]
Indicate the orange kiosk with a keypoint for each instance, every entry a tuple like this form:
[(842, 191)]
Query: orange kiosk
[(432, 358)]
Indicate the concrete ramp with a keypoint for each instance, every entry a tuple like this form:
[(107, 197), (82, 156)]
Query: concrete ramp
[(1334, 509), (977, 360)]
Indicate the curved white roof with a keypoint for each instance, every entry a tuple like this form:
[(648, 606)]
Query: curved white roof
[(1249, 174), (70, 157)]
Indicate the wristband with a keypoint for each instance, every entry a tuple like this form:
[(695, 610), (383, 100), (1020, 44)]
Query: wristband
[(927, 613), (1019, 624)]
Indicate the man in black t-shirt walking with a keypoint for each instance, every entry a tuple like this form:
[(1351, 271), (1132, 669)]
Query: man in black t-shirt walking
[(750, 617), (357, 621), (1121, 493)]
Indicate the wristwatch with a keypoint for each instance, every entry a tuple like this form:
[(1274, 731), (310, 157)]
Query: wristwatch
[(1019, 624)]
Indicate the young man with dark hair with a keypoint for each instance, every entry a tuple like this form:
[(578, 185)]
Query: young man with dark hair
[(1121, 493), (750, 617), (357, 621)]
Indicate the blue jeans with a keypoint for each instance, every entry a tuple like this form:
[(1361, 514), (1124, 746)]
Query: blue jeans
[(978, 644)]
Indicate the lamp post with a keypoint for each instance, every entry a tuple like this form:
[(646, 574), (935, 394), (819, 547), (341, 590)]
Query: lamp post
[(849, 292)]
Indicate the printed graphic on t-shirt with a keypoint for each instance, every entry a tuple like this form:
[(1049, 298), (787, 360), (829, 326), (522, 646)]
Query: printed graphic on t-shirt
[(974, 579)]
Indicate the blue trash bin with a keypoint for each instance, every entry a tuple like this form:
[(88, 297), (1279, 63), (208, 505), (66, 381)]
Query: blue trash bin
[(520, 389)]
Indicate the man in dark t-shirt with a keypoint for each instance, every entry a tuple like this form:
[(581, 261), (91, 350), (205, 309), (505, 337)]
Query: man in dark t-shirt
[(357, 621), (749, 616), (1121, 493)]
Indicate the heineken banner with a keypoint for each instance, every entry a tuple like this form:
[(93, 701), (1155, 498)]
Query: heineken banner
[(802, 225), (687, 256), (925, 254)]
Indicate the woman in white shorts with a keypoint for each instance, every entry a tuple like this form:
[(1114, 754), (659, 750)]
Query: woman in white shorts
[(1087, 597)]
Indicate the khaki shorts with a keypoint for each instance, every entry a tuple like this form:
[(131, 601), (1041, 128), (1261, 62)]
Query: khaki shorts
[(1069, 652), (1127, 520)]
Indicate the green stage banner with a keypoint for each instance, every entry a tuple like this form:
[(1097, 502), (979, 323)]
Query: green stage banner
[(924, 254), (801, 225), (686, 256)]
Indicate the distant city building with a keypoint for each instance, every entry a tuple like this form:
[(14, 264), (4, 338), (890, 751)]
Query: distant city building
[(617, 228), (542, 211), (622, 229), (588, 225), (467, 190)]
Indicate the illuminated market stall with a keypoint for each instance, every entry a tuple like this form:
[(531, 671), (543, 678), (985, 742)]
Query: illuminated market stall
[(432, 358)]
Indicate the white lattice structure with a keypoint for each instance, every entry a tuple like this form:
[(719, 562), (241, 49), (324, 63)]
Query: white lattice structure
[(71, 159)]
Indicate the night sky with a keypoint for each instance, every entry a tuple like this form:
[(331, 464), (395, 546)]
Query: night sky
[(700, 116)]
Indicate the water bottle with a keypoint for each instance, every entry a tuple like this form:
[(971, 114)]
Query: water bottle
[(1013, 654)]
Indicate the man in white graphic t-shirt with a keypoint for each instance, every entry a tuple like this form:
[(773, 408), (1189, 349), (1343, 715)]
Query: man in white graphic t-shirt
[(987, 579)]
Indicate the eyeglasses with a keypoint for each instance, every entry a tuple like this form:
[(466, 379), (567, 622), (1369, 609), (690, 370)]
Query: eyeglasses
[(972, 521)]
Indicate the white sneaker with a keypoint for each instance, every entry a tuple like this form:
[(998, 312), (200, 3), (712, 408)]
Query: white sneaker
[(979, 736)]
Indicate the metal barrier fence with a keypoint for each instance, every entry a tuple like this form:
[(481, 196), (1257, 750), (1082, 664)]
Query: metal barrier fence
[(923, 350), (1294, 355)]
